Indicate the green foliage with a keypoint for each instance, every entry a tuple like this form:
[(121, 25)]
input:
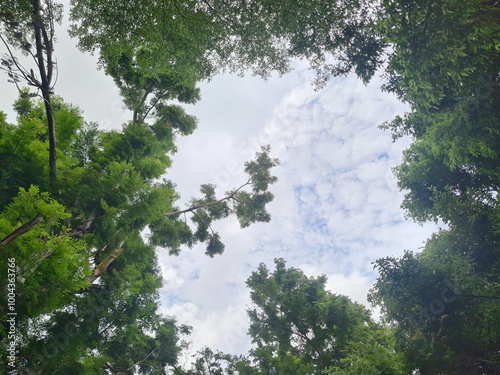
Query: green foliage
[(442, 52), (197, 39), (108, 202), (335, 37), (87, 278), (445, 65), (102, 332), (445, 303), (208, 362), (249, 207), (49, 263), (374, 354), (299, 327)]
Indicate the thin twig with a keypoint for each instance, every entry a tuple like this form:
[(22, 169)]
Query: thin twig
[(21, 68), (142, 362)]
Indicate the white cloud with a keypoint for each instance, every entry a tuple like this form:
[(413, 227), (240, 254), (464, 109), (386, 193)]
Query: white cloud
[(353, 285), (337, 204)]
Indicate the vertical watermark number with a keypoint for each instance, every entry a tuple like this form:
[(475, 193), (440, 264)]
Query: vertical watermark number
[(11, 313)]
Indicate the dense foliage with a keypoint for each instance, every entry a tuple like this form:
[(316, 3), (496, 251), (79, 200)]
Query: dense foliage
[(300, 328), (75, 200), (85, 272), (445, 300)]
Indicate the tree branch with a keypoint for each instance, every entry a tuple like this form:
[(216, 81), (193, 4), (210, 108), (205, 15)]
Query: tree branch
[(103, 266), (25, 228), (141, 103), (20, 68), (208, 4), (210, 204), (142, 361), (154, 105), (82, 228)]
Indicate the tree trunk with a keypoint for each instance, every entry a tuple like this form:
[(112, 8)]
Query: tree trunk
[(52, 136), (44, 44)]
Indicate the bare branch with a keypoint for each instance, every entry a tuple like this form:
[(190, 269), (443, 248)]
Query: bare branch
[(19, 67), (142, 361), (208, 4), (103, 266)]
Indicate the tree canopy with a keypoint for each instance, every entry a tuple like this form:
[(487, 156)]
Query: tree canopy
[(444, 300), (301, 328)]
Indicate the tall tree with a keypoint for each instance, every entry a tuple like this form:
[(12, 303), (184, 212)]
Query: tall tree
[(446, 306), (444, 64), (30, 27), (86, 274), (301, 328)]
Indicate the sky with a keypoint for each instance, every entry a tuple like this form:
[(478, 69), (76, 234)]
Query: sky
[(336, 208)]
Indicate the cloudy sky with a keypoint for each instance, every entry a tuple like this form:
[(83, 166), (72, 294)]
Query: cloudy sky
[(337, 206)]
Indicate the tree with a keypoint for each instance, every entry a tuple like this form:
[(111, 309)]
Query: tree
[(249, 207), (444, 63), (445, 305), (30, 27), (108, 190), (208, 362), (87, 278), (49, 263), (301, 328)]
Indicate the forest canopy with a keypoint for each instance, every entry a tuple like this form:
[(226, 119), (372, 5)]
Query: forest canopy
[(76, 199)]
